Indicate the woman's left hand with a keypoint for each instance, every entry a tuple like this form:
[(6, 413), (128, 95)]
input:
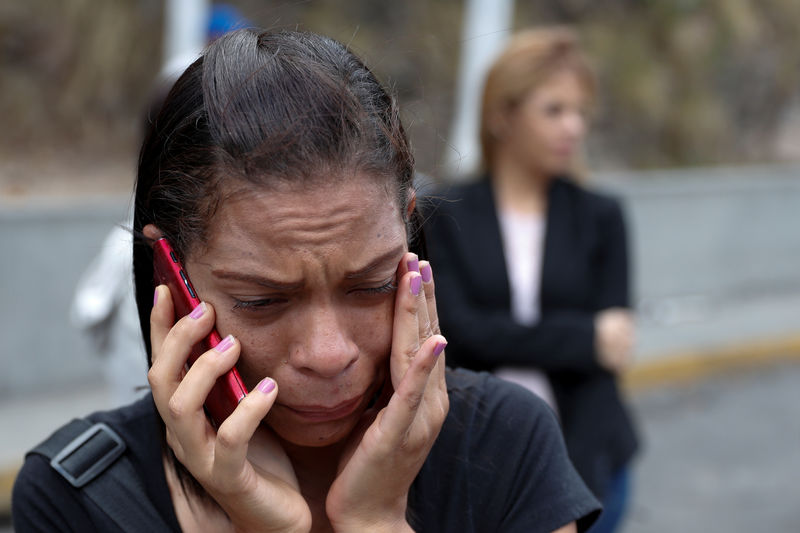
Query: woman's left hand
[(383, 459)]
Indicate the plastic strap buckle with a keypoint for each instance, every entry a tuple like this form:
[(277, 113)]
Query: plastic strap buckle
[(88, 455)]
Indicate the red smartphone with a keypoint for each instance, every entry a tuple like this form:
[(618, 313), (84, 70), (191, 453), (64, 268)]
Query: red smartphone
[(229, 389)]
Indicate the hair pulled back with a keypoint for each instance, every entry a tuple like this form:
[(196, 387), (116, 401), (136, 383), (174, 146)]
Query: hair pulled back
[(259, 109)]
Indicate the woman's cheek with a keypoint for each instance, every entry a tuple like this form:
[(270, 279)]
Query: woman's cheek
[(372, 331), (262, 352)]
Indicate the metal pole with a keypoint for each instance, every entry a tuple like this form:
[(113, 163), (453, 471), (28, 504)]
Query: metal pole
[(185, 32), (487, 26)]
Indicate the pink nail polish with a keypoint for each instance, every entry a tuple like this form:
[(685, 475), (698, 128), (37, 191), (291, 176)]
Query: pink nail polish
[(439, 348), (266, 385), (198, 311), (427, 273), (413, 265), (224, 344), (416, 284), (155, 297)]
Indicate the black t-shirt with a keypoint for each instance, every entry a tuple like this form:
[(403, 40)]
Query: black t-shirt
[(499, 464)]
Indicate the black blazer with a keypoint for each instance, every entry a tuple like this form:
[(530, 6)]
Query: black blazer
[(584, 270)]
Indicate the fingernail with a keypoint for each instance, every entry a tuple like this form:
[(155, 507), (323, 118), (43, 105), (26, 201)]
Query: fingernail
[(266, 385), (224, 344), (155, 296), (427, 273), (413, 265), (416, 283), (198, 311), (439, 348)]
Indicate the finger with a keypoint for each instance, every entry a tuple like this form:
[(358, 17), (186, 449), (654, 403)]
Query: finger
[(192, 434), (188, 398), (430, 296), (171, 354), (423, 321), (405, 329), (409, 263), (429, 286), (167, 371), (163, 376), (235, 433), (409, 287), (162, 316), (409, 394)]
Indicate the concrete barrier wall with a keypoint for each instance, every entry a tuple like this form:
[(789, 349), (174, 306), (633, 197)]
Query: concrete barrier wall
[(45, 246), (713, 232), (716, 255)]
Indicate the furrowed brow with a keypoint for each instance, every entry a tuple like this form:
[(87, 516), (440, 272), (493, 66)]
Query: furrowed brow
[(389, 257), (257, 280)]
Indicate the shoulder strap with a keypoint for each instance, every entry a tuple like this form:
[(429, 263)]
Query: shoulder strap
[(91, 457)]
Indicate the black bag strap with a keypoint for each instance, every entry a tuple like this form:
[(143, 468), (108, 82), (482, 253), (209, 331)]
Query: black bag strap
[(91, 457)]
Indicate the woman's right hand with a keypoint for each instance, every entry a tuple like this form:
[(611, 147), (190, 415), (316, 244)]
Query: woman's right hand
[(614, 338), (241, 464)]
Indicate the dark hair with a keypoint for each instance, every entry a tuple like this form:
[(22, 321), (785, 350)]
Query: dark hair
[(257, 109)]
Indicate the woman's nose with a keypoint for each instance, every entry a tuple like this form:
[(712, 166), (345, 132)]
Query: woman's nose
[(324, 346), (575, 124)]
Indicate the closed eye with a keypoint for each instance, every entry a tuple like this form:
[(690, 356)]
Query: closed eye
[(388, 287), (250, 305)]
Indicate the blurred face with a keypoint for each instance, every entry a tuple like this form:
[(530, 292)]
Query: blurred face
[(543, 133), (305, 279)]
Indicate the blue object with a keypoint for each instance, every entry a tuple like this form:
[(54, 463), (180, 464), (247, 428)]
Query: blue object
[(615, 503), (225, 18)]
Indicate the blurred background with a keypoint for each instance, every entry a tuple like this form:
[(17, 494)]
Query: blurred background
[(698, 130)]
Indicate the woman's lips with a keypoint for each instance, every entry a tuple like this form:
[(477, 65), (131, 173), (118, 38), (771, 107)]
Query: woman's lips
[(318, 413)]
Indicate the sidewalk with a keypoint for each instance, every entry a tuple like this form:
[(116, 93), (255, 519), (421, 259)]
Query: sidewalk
[(721, 454)]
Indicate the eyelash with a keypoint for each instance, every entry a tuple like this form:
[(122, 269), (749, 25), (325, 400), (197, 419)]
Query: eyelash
[(254, 304), (387, 287), (247, 305)]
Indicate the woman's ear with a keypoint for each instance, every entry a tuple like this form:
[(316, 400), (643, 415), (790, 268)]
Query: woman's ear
[(152, 232), (411, 202)]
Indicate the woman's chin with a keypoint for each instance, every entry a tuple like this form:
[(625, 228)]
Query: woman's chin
[(315, 434)]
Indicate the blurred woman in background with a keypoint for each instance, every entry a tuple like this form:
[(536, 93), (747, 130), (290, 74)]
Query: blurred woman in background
[(532, 268)]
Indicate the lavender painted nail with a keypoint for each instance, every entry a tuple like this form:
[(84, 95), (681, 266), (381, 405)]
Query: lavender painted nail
[(427, 273), (198, 311), (439, 348), (413, 265), (155, 297), (266, 385), (224, 344)]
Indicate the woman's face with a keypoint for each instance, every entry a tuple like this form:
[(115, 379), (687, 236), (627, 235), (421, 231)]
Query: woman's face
[(544, 131), (305, 278)]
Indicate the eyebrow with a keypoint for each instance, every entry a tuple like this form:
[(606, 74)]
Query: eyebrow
[(379, 261), (257, 280)]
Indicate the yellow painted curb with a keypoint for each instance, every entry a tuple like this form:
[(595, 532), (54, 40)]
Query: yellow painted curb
[(693, 365), (7, 477)]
